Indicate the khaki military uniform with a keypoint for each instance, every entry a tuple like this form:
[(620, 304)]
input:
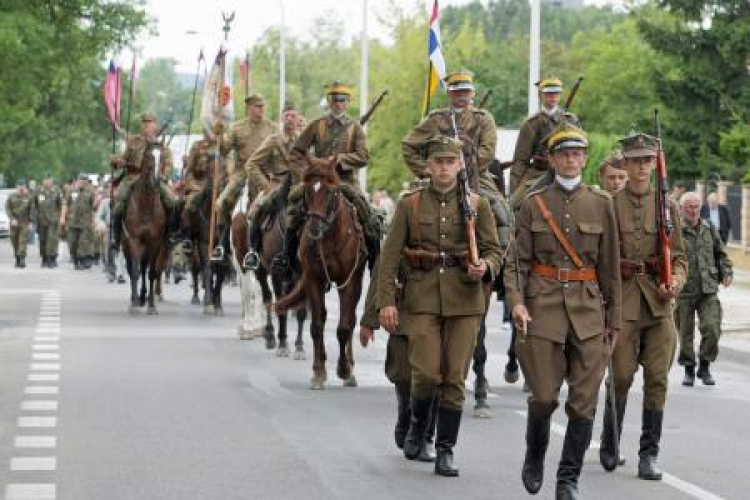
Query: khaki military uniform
[(441, 307), (79, 221), (198, 173), (648, 335), (708, 265), (19, 209), (131, 169), (530, 154), (269, 164), (48, 204), (565, 338)]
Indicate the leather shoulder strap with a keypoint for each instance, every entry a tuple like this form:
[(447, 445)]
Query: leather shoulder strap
[(558, 233), (415, 228)]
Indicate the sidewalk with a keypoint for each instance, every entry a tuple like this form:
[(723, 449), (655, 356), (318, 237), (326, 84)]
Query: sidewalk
[(735, 301)]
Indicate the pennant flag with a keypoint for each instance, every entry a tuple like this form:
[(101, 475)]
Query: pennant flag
[(217, 94), (133, 76), (436, 70), (112, 95)]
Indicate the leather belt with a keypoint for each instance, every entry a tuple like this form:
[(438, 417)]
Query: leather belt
[(564, 275)]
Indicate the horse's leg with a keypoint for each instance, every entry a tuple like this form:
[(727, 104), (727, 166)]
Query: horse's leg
[(299, 344), (219, 271), (158, 292), (316, 299), (278, 291), (208, 309), (195, 272), (144, 288), (153, 277), (262, 274), (348, 298), (134, 270), (481, 386)]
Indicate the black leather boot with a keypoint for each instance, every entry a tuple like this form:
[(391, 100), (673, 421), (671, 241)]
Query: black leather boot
[(428, 450), (607, 452), (574, 448), (44, 262), (537, 439), (18, 261), (53, 261), (116, 232), (689, 380), (705, 373), (403, 394), (420, 415), (448, 423), (22, 261), (649, 449)]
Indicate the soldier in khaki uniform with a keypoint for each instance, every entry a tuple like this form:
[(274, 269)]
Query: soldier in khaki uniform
[(708, 265), (647, 336), (530, 155), (443, 300), (266, 170), (334, 135), (129, 169), (48, 204), (18, 206), (79, 217), (612, 174), (563, 287)]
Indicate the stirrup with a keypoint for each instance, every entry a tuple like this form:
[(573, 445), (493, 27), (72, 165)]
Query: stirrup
[(251, 262), (218, 254), (187, 246)]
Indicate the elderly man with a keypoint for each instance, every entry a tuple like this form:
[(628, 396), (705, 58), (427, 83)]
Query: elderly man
[(718, 215), (708, 265)]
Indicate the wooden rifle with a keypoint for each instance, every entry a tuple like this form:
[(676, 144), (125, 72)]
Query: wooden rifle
[(663, 217), (464, 196), (366, 117), (572, 95)]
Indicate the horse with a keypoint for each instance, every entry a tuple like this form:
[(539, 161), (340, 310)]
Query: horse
[(272, 244), (331, 254), (145, 232)]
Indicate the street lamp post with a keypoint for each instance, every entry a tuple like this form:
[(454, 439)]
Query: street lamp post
[(534, 55), (363, 84)]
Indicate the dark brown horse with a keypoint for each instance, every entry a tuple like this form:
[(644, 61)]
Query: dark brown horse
[(145, 231), (331, 253)]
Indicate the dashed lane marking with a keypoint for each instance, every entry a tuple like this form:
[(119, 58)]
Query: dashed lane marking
[(31, 491), (35, 442), (33, 463)]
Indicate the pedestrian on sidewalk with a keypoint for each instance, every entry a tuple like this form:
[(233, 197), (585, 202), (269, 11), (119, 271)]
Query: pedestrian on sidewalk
[(708, 265)]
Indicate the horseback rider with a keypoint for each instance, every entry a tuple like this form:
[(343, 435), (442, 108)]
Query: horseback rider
[(265, 170), (128, 168), (332, 136), (198, 178)]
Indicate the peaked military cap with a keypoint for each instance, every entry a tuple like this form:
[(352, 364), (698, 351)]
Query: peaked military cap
[(614, 160), (443, 146), (566, 136), (338, 88), (148, 116), (255, 99), (638, 145), (550, 85), (462, 79)]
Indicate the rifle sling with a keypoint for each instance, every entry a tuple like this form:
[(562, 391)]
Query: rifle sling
[(558, 233)]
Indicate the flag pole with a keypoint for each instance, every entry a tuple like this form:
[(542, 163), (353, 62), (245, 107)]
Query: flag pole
[(130, 98), (192, 105), (428, 94)]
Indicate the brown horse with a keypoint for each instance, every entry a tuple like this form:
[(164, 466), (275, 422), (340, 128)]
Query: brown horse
[(331, 253), (145, 232)]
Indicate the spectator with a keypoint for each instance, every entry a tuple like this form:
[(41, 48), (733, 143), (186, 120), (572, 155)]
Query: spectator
[(718, 215)]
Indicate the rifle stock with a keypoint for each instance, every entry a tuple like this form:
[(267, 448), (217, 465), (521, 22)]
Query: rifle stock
[(464, 191), (366, 117), (573, 92), (663, 218)]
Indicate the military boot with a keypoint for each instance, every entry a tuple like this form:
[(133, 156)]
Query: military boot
[(449, 421), (571, 462), (420, 416), (116, 232), (649, 446), (53, 261), (18, 261), (608, 453), (22, 261), (404, 414), (704, 373), (428, 451), (44, 262), (689, 380), (285, 262), (537, 439)]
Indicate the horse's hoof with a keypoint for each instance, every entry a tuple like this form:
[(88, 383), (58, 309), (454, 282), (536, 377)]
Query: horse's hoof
[(351, 381), (282, 352), (299, 355), (511, 376), (195, 301), (318, 382), (152, 311), (218, 311), (482, 410)]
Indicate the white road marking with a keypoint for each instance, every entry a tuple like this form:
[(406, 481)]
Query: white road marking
[(43, 377), (45, 356), (44, 367), (31, 491), (33, 463), (47, 338), (35, 442), (39, 406), (45, 347), (37, 422), (39, 389)]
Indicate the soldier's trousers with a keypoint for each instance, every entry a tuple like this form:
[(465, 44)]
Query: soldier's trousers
[(547, 364), (227, 200), (709, 312), (48, 239), (649, 341), (440, 352), (79, 243), (19, 237)]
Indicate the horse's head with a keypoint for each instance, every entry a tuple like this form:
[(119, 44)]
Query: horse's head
[(151, 162), (321, 195)]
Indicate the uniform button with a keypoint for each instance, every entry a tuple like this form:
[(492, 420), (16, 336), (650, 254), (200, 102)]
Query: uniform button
[(442, 236), (567, 216), (442, 270), (567, 229), (442, 219), (565, 257), (565, 285), (442, 204)]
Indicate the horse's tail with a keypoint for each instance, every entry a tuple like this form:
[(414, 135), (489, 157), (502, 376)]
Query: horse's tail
[(294, 299)]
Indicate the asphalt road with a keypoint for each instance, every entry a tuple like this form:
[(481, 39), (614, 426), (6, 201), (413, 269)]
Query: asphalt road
[(96, 404)]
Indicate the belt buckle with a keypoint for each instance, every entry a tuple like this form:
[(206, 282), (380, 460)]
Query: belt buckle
[(640, 269), (443, 260), (563, 275)]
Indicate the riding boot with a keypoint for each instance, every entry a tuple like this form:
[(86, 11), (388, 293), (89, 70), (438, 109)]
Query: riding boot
[(53, 261), (420, 415), (286, 262), (649, 446), (449, 421), (404, 414), (574, 448), (44, 262), (607, 451), (705, 373), (428, 450), (537, 439)]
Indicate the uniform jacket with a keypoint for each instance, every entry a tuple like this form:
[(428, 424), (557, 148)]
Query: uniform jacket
[(80, 203), (48, 205), (443, 291), (708, 262), (18, 207), (474, 124), (133, 156), (586, 216), (244, 138), (636, 220), (200, 166), (271, 159), (725, 221)]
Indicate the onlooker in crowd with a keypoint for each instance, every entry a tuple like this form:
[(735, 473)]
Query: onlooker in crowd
[(678, 189), (718, 215)]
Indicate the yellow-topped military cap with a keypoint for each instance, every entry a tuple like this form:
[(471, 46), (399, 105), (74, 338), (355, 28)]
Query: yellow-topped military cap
[(255, 99), (337, 87), (638, 145), (443, 146), (566, 136), (462, 79), (550, 85)]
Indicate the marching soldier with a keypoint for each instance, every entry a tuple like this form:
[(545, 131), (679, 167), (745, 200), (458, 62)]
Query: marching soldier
[(244, 138), (47, 209), (530, 156), (612, 174), (333, 135), (563, 287), (18, 206), (443, 300), (265, 171), (78, 216), (129, 168), (708, 265), (647, 336)]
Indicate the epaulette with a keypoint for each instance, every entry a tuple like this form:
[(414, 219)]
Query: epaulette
[(600, 192), (412, 192), (536, 189)]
